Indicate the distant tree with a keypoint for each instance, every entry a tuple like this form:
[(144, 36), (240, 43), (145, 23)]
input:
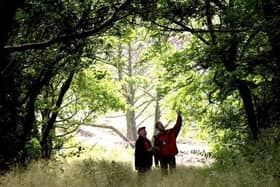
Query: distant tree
[(133, 71)]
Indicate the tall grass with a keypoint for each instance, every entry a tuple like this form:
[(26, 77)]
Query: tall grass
[(120, 174), (115, 169)]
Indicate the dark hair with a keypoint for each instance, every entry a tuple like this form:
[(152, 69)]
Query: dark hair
[(140, 129), (156, 125)]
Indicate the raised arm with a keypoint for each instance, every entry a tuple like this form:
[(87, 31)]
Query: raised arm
[(178, 124)]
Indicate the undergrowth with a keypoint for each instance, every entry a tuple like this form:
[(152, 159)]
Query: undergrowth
[(250, 164)]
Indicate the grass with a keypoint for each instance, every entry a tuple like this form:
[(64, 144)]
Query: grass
[(114, 168)]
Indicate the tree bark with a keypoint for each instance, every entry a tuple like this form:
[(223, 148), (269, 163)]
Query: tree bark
[(157, 112), (9, 94), (46, 141), (130, 114), (229, 60), (246, 96), (271, 14), (131, 125), (271, 10)]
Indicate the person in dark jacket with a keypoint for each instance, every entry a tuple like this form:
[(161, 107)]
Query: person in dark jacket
[(143, 152), (165, 144)]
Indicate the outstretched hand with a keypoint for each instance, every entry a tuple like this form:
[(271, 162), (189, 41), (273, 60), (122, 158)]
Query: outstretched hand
[(178, 112)]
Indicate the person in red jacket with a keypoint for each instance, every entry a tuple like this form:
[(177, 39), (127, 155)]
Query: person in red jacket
[(165, 144)]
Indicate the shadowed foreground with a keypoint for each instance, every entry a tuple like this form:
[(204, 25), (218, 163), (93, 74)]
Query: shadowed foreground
[(101, 173)]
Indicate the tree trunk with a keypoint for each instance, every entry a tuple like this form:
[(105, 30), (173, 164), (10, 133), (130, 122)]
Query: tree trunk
[(271, 12), (246, 96), (129, 94), (229, 60), (131, 125), (272, 16), (46, 141), (157, 112), (10, 134), (130, 115)]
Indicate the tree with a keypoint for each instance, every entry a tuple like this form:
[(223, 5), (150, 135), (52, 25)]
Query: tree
[(33, 51), (229, 45), (133, 71)]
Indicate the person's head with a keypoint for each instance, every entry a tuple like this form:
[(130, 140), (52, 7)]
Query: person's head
[(142, 131), (159, 126)]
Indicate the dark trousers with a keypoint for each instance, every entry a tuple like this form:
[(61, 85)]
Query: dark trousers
[(143, 169), (167, 162)]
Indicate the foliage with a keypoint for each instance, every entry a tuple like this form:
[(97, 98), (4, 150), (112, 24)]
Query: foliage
[(35, 82), (95, 91), (223, 75), (33, 149), (225, 61), (262, 156), (265, 154)]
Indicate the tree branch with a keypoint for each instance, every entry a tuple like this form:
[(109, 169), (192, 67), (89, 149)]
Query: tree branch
[(115, 130), (185, 28), (69, 132), (209, 21), (141, 112), (68, 37), (220, 4), (53, 117), (141, 122)]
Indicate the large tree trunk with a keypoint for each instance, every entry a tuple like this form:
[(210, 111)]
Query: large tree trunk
[(29, 127), (9, 133), (230, 58), (242, 86), (271, 10), (131, 125), (130, 115), (272, 16)]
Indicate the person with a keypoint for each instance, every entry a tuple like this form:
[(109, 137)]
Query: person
[(165, 144), (143, 152)]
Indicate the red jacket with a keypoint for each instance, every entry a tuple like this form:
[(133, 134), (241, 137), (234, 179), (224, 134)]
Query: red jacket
[(166, 140)]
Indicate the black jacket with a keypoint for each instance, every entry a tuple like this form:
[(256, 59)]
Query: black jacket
[(143, 157)]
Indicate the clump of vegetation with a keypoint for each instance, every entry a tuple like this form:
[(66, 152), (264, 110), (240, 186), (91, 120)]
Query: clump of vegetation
[(262, 157)]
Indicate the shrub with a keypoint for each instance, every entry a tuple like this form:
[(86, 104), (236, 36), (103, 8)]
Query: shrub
[(33, 149)]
